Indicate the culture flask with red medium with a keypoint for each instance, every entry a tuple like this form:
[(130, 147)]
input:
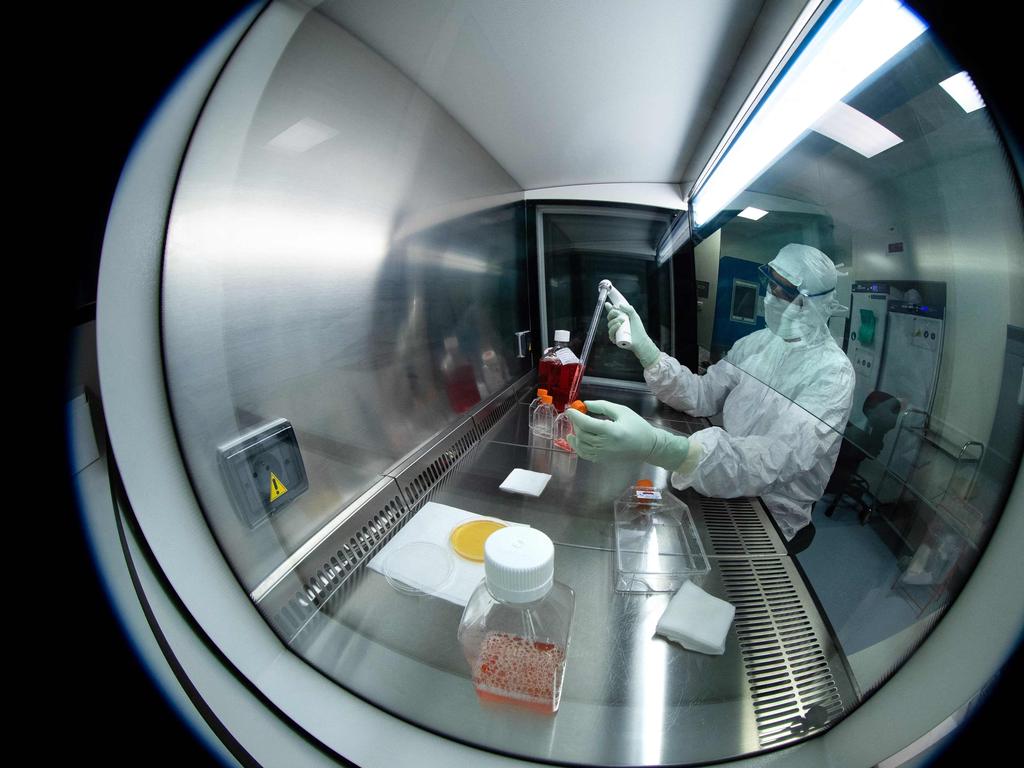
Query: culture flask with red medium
[(565, 373), (548, 358), (515, 629)]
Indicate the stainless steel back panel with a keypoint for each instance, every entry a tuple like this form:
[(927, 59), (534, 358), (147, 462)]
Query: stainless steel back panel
[(342, 254)]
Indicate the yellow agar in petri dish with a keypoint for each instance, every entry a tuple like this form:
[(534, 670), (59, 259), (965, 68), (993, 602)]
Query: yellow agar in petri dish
[(468, 539)]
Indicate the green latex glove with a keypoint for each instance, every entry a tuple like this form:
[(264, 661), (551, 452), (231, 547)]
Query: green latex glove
[(646, 351), (625, 436)]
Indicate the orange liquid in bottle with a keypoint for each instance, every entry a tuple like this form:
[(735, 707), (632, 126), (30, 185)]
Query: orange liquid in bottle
[(543, 372), (513, 670), (560, 381)]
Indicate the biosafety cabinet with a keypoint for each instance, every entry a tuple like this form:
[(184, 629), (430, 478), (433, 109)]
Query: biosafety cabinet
[(334, 258)]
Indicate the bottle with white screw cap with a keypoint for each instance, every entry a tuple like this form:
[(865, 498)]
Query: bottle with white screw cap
[(549, 359), (515, 629)]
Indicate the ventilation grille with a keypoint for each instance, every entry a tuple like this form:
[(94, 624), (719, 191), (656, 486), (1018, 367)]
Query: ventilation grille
[(337, 563), (792, 687), (737, 530), (494, 412), (326, 573), (419, 480)]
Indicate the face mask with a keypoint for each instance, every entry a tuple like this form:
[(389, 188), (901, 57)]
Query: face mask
[(790, 320), (773, 310)]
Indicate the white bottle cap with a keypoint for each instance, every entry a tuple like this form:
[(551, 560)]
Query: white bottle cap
[(519, 564), (561, 335)]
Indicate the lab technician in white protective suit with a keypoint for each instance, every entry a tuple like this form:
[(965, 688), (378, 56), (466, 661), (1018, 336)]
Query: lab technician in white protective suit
[(784, 393)]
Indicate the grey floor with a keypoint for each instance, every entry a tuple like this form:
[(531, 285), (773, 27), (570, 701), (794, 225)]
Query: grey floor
[(853, 573)]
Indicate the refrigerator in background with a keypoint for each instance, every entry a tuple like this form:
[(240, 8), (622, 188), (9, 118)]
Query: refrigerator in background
[(866, 345), (909, 372)]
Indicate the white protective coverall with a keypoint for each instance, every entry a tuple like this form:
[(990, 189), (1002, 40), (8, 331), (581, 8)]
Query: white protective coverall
[(784, 405)]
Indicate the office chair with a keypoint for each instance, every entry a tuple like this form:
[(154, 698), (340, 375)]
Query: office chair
[(882, 411)]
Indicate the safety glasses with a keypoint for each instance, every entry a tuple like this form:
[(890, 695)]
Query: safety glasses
[(782, 290), (776, 286)]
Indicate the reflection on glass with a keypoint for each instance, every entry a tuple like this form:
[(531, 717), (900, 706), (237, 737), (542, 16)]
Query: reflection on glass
[(918, 208), (583, 246)]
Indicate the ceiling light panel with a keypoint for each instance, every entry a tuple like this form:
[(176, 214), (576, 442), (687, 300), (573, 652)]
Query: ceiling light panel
[(856, 130)]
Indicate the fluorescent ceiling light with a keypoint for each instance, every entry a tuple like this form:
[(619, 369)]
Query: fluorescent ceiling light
[(752, 213), (856, 130), (302, 136), (856, 40), (962, 89), (777, 61)]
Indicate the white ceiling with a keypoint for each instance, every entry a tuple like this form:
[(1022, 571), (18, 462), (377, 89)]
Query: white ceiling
[(565, 92)]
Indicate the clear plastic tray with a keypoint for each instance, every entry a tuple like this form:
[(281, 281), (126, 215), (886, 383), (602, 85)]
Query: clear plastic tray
[(657, 547)]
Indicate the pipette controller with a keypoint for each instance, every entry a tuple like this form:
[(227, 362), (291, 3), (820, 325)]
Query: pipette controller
[(623, 337)]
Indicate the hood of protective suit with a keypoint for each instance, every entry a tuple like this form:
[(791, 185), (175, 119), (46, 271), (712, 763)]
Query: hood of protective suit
[(815, 276)]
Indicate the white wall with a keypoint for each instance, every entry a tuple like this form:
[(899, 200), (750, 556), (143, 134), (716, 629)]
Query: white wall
[(706, 256), (960, 223)]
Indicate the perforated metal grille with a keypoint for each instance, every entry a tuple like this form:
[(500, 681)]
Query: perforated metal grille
[(735, 528), (494, 412), (791, 684), (420, 480), (373, 532), (370, 527)]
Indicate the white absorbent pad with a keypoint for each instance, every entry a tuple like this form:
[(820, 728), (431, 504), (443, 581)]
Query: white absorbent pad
[(526, 482), (405, 560), (696, 620)]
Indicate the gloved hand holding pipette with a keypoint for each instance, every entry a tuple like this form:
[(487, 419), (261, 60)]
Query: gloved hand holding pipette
[(624, 436), (621, 313)]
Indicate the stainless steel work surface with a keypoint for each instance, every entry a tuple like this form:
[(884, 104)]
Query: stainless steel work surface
[(630, 697), (576, 506)]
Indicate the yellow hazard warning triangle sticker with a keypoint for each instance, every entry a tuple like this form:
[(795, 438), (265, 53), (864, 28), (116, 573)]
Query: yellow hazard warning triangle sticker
[(277, 488)]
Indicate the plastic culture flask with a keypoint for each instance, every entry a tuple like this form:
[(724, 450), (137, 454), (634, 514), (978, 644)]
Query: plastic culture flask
[(515, 629), (534, 404), (657, 546), (562, 427), (562, 376), (543, 418)]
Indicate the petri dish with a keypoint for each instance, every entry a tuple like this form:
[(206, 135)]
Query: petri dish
[(467, 539), (419, 568)]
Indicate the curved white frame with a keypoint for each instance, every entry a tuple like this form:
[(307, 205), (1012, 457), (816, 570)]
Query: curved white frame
[(913, 703)]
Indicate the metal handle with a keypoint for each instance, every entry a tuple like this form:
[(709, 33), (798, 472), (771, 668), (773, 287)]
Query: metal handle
[(522, 343)]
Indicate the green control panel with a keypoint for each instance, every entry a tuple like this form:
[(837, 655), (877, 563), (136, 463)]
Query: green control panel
[(263, 470)]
